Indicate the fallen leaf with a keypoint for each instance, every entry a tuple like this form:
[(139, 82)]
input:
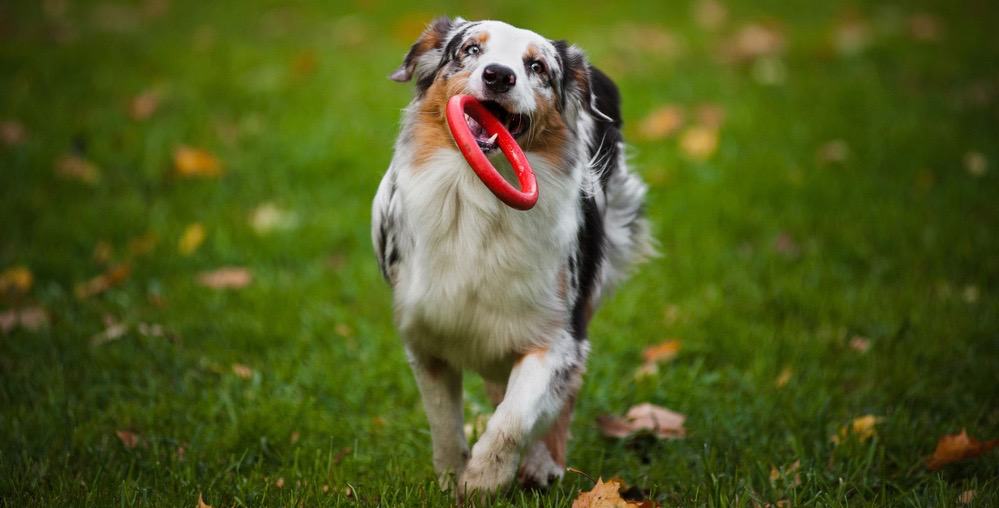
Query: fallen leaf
[(835, 151), (784, 377), (861, 428), (12, 132), (860, 344), (33, 318), (75, 167), (852, 36), (661, 123), (269, 217), (789, 476), (230, 277), (970, 294), (649, 39), (699, 142), (607, 495), (128, 439), (192, 238), (662, 352), (145, 104), (305, 63), (957, 447), (710, 14), (966, 497), (202, 503), (976, 164), (925, 27), (785, 245), (242, 371), (113, 330), (661, 422), (755, 40), (295, 436), (112, 277), (279, 483), (195, 162), (16, 281)]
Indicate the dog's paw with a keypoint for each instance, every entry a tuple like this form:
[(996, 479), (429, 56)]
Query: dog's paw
[(489, 470), (539, 470)]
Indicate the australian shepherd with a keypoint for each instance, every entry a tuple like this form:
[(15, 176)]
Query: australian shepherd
[(483, 287)]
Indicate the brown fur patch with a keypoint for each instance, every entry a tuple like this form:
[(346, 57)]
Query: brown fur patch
[(537, 351), (482, 37), (430, 132), (548, 135), (558, 435)]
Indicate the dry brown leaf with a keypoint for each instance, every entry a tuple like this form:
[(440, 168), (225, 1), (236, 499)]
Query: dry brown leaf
[(861, 428), (607, 495), (661, 123), (128, 439), (699, 142), (16, 281), (976, 164), (112, 277), (860, 344), (957, 447), (279, 483), (755, 40), (145, 104), (74, 167), (192, 238), (833, 151), (710, 14), (202, 503), (195, 162), (966, 497), (925, 27), (12, 132), (229, 277), (242, 371), (661, 422), (784, 377)]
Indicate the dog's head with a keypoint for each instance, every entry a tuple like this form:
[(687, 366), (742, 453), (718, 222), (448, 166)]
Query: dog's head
[(535, 86)]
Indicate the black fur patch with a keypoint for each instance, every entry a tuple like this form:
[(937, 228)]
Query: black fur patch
[(590, 255)]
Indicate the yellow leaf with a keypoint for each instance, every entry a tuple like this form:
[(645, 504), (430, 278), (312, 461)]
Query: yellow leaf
[(699, 142), (16, 280), (861, 428), (191, 239), (196, 162)]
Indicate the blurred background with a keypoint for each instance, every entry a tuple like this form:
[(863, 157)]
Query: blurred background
[(189, 304)]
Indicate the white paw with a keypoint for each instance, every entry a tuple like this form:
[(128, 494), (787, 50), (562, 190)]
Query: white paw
[(489, 469), (539, 470)]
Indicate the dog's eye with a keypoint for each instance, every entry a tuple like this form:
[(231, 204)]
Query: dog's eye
[(537, 67), (473, 49)]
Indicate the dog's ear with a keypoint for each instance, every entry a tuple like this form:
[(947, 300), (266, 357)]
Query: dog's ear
[(425, 53), (579, 79)]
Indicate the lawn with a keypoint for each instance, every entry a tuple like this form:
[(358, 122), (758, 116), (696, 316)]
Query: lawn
[(824, 187)]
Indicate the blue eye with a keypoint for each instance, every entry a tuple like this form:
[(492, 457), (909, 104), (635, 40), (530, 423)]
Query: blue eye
[(473, 49)]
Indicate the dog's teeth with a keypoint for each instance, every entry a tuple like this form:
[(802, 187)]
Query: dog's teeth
[(492, 139)]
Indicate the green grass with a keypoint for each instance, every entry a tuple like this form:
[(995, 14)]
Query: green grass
[(897, 243)]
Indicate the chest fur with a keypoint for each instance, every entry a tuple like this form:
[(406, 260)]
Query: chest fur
[(482, 280)]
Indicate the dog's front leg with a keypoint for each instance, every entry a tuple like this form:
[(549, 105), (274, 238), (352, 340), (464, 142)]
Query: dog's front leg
[(440, 388), (536, 392)]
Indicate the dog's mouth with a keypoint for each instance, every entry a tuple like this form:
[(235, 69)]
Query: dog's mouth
[(515, 123)]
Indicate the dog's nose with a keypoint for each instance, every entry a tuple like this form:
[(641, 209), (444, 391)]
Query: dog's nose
[(498, 78)]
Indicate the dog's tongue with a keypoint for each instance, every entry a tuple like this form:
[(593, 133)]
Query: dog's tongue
[(464, 113)]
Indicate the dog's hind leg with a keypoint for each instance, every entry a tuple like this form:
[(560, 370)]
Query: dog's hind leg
[(440, 388), (540, 384)]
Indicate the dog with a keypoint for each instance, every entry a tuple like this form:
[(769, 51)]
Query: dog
[(482, 287)]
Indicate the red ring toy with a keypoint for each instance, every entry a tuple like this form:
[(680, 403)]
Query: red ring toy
[(521, 199)]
